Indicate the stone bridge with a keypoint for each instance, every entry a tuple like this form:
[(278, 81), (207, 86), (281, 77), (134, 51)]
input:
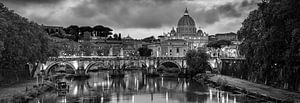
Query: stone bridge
[(112, 62)]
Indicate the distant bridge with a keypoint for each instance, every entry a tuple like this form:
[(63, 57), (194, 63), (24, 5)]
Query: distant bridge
[(85, 63)]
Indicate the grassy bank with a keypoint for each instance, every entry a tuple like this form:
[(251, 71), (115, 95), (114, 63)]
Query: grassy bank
[(249, 88), (22, 92)]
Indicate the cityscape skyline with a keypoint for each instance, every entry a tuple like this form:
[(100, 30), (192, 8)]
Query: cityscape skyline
[(137, 18)]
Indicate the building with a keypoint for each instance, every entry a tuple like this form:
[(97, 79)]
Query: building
[(177, 42), (169, 48), (226, 36), (186, 30)]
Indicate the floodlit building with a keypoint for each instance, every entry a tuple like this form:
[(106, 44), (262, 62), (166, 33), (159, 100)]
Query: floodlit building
[(177, 42)]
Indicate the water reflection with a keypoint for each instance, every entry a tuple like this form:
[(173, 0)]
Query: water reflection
[(136, 88)]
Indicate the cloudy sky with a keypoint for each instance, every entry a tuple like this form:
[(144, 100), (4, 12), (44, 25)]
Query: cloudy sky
[(138, 18)]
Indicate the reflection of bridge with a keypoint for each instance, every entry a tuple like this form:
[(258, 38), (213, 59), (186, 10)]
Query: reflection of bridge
[(86, 62)]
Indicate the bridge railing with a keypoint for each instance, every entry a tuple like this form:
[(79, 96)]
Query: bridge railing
[(87, 58)]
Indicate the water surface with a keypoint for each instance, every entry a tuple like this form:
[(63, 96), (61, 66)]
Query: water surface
[(136, 88)]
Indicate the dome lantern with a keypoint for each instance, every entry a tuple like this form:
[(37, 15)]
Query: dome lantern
[(186, 12)]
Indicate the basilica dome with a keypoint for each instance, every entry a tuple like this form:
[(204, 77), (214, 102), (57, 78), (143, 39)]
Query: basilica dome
[(186, 24), (186, 20)]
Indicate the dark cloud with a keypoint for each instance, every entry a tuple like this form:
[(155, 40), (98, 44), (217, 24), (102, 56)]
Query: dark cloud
[(163, 1), (28, 2), (247, 3), (211, 16), (84, 10), (230, 10), (227, 10), (140, 13)]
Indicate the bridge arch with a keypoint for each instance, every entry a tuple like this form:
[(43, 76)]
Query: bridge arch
[(49, 67), (89, 66), (170, 64)]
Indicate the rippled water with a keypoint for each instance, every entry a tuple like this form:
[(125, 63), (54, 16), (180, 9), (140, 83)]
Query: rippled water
[(134, 88)]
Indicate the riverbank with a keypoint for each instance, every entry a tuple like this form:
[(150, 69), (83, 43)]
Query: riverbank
[(21, 92), (250, 88)]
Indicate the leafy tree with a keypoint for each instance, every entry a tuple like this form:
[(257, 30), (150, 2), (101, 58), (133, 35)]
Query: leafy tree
[(23, 41), (1, 48), (102, 31), (270, 37), (197, 61), (74, 30), (98, 29), (145, 51), (106, 32)]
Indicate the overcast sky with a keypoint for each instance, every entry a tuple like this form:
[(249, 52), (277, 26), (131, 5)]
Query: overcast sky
[(138, 18)]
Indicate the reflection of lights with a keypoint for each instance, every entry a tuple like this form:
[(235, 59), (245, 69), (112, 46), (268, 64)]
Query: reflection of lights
[(75, 92), (135, 81), (63, 100), (210, 94), (223, 99), (137, 84), (102, 98), (234, 100), (162, 81), (218, 96), (132, 98), (167, 98), (227, 97), (184, 85)]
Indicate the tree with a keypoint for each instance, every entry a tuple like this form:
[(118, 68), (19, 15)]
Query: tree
[(145, 51), (106, 32), (24, 42), (74, 30), (102, 31), (269, 35), (98, 29), (1, 48), (197, 61)]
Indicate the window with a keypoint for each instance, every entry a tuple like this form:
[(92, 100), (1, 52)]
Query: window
[(170, 50), (177, 50)]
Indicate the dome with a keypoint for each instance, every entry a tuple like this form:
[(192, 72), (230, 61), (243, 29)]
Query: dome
[(186, 24), (186, 20)]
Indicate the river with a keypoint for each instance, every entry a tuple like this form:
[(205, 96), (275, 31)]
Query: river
[(134, 88)]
